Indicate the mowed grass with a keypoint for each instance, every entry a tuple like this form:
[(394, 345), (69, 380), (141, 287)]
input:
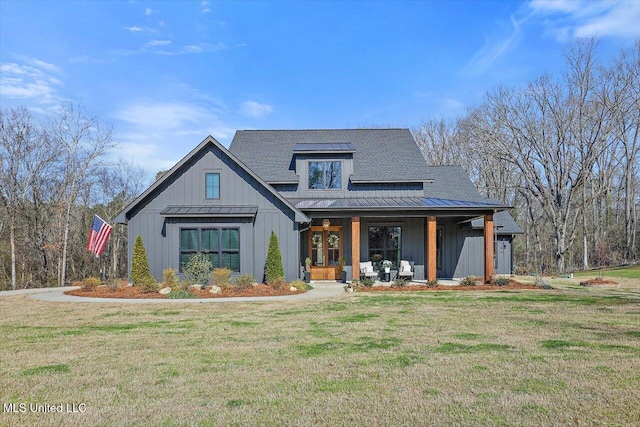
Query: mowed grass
[(568, 356), (628, 272)]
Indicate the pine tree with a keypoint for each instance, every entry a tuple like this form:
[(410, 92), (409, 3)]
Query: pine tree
[(140, 263), (273, 267)]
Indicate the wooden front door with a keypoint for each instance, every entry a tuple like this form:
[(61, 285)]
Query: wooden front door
[(325, 249)]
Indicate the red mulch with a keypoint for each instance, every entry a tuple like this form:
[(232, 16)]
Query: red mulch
[(597, 281), (133, 292), (513, 285)]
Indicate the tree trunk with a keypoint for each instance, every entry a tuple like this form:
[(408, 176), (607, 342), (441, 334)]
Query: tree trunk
[(12, 239)]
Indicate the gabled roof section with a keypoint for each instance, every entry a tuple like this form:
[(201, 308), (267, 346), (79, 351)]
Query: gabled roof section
[(391, 153), (121, 218)]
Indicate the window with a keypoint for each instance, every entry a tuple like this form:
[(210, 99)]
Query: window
[(212, 182), (385, 243), (439, 248), (325, 175), (222, 245)]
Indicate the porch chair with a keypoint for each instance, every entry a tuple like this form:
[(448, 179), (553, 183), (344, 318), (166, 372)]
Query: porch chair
[(406, 270), (366, 270)]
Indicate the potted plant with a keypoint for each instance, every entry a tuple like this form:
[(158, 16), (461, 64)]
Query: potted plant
[(307, 270), (386, 264)]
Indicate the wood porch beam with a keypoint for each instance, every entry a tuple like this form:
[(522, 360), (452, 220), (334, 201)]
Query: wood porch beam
[(431, 248), (488, 248), (355, 246)]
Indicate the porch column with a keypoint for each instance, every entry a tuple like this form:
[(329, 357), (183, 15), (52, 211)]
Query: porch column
[(355, 246), (488, 247), (431, 248)]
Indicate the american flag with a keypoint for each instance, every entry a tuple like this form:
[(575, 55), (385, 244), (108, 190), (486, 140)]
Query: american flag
[(99, 235)]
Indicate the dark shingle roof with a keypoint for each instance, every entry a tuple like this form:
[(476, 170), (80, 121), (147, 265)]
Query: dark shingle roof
[(381, 155), (391, 154)]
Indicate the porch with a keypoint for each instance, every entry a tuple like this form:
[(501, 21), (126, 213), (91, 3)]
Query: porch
[(443, 246)]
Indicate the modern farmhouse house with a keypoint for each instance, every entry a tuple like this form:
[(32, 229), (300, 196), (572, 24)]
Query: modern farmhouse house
[(337, 197)]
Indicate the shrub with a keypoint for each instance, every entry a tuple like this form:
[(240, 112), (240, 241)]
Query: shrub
[(148, 284), (221, 277), (299, 285), (468, 281), (367, 282), (273, 266), (500, 281), (355, 282), (113, 284), (541, 283), (139, 263), (198, 268), (432, 283), (279, 284), (180, 294), (170, 278), (244, 282), (90, 283), (399, 282)]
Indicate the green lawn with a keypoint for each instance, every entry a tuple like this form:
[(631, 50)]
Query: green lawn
[(628, 272), (569, 356)]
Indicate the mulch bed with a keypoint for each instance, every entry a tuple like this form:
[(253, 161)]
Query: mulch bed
[(131, 292), (513, 285), (598, 281)]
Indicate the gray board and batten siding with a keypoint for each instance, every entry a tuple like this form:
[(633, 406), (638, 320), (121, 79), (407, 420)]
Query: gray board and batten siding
[(245, 203)]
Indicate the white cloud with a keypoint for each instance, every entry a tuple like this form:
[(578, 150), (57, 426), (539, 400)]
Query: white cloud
[(255, 109), (157, 134), (580, 18), (159, 42), (133, 29), (495, 46), (161, 116), (34, 82), (148, 11)]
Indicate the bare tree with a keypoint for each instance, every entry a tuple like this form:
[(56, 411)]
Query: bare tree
[(25, 158), (84, 141)]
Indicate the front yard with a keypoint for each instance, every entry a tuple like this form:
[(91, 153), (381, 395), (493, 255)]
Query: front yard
[(523, 357)]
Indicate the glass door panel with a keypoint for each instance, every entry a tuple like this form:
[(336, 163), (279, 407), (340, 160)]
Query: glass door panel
[(333, 248), (317, 246)]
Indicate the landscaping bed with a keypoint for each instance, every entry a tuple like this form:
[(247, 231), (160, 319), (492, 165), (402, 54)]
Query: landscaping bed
[(132, 292), (598, 281), (512, 285)]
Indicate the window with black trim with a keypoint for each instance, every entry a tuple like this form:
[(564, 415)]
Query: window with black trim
[(212, 184), (385, 243), (439, 234), (325, 175), (221, 245)]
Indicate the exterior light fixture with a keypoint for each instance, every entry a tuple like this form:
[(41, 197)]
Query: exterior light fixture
[(325, 224)]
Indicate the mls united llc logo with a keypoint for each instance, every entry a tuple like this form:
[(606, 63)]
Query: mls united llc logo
[(63, 408)]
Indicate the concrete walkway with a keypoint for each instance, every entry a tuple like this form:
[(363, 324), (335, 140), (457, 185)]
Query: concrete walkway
[(320, 290)]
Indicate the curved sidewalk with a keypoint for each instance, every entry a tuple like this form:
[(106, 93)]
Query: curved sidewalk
[(319, 291)]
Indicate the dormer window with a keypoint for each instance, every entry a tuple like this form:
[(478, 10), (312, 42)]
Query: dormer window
[(326, 175), (212, 185)]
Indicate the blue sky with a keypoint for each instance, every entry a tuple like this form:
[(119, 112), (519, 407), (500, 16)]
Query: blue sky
[(167, 74)]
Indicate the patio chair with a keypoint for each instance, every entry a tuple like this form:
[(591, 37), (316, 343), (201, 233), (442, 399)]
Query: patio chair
[(366, 271), (406, 270)]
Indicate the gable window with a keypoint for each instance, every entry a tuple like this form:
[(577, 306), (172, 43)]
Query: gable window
[(385, 243), (212, 182), (325, 175), (221, 245)]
